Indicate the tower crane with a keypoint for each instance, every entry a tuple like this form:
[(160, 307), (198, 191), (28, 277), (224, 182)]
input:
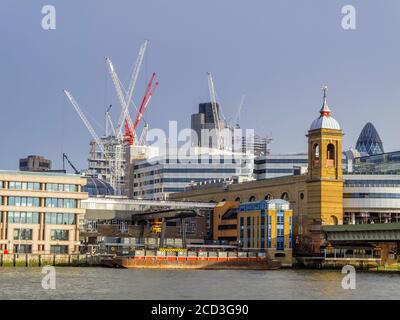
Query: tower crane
[(109, 123), (239, 110), (126, 100), (130, 131), (85, 121), (114, 164), (217, 122)]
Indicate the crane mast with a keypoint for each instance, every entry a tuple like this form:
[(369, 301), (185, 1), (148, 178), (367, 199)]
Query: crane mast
[(217, 122)]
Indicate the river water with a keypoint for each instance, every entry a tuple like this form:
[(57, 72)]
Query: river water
[(104, 283)]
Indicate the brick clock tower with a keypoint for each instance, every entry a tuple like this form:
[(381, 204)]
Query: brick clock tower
[(324, 180)]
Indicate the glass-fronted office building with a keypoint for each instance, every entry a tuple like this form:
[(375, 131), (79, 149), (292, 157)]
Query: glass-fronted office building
[(265, 225), (39, 212)]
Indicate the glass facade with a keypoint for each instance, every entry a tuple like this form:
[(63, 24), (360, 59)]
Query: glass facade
[(23, 201), (61, 187), (23, 217), (280, 235), (264, 223), (60, 203), (369, 141), (17, 185), (60, 218)]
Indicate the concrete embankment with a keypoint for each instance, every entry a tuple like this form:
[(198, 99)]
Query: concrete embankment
[(38, 260)]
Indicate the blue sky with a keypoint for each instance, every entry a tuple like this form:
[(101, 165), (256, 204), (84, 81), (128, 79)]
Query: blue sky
[(278, 53)]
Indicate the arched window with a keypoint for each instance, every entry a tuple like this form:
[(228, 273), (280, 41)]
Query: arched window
[(268, 197), (285, 196), (252, 199), (316, 151), (334, 220), (330, 152), (237, 199)]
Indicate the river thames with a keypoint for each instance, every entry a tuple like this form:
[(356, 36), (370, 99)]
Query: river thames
[(103, 283)]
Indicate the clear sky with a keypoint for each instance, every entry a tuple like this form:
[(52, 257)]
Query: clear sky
[(278, 53)]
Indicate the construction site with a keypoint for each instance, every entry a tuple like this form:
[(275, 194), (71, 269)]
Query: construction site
[(122, 150)]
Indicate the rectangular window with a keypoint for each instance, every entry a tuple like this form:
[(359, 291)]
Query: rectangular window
[(59, 249), (22, 234), (17, 185), (23, 217), (60, 218), (62, 235), (22, 248), (60, 203)]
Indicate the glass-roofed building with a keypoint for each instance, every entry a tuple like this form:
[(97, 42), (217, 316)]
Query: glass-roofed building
[(97, 187)]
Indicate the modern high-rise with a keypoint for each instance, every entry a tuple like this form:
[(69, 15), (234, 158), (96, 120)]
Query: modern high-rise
[(369, 141), (204, 120)]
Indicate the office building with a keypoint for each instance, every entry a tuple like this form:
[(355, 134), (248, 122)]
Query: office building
[(204, 120), (40, 212), (278, 165), (266, 225), (158, 177), (34, 163), (369, 141)]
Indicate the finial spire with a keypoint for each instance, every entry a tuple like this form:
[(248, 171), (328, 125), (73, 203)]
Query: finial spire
[(325, 111)]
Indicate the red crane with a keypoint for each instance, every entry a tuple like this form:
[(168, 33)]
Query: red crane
[(130, 133)]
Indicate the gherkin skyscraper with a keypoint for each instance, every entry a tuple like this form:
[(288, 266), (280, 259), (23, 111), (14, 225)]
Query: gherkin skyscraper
[(369, 140)]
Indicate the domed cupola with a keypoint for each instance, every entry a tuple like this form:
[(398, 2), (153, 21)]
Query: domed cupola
[(325, 121)]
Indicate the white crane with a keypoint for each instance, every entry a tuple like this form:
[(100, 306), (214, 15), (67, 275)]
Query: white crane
[(85, 121), (143, 136), (239, 110), (120, 95), (109, 123), (114, 164), (217, 122), (126, 100)]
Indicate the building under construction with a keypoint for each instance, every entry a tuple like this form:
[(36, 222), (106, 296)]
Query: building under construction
[(107, 154)]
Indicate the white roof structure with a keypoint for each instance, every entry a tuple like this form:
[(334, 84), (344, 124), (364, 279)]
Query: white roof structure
[(325, 121)]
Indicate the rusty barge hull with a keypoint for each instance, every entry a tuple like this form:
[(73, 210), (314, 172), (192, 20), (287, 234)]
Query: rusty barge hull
[(156, 262)]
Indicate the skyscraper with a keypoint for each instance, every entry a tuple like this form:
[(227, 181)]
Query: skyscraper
[(369, 140)]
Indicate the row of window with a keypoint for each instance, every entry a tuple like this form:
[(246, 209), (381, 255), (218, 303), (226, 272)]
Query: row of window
[(33, 218), (23, 201), (35, 202), (27, 248), (60, 203), (261, 171), (18, 185), (26, 234), (291, 161), (187, 170), (189, 161), (372, 183), (371, 195), (61, 187)]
